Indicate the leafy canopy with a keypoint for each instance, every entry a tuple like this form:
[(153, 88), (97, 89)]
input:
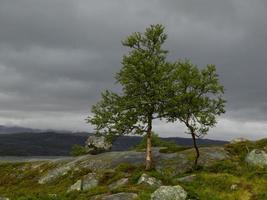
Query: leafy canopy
[(142, 77), (195, 97)]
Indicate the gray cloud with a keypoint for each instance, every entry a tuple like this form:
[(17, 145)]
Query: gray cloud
[(56, 56)]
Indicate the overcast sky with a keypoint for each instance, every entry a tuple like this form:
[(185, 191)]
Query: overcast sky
[(56, 56)]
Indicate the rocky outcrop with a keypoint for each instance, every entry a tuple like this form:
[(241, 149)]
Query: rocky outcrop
[(150, 181), (97, 144), (183, 161), (169, 193), (257, 157), (175, 163)]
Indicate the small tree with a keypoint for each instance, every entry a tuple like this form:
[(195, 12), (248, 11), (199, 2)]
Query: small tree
[(195, 99), (142, 78)]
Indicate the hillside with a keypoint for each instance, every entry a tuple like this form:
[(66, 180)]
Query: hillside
[(59, 144), (224, 174)]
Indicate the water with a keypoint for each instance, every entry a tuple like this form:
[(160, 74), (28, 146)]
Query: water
[(32, 158)]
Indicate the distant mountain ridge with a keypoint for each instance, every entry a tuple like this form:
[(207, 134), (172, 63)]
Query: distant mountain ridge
[(51, 143), (18, 129)]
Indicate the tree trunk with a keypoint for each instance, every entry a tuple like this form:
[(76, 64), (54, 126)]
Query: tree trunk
[(196, 148), (149, 161)]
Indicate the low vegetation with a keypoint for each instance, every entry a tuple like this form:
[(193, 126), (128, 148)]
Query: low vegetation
[(231, 179), (165, 146), (78, 150)]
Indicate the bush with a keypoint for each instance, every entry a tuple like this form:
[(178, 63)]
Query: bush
[(240, 149), (170, 146), (78, 150)]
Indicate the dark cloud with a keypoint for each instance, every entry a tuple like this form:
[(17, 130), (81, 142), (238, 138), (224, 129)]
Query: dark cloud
[(56, 56)]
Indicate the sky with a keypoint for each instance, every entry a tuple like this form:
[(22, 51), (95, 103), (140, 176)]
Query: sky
[(56, 56)]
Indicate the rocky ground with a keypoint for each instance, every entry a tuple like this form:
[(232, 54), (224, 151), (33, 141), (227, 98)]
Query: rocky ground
[(235, 171)]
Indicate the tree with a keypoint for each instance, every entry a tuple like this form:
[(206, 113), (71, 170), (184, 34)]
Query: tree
[(195, 99), (143, 78)]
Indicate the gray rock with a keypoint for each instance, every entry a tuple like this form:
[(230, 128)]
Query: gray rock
[(171, 164), (233, 187), (119, 183), (76, 186), (97, 144), (187, 179), (51, 175), (148, 180), (237, 140), (89, 181), (169, 193), (120, 196), (257, 157), (4, 198)]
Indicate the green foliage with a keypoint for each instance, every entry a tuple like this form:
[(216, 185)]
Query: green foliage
[(240, 149), (153, 88), (195, 97), (142, 77), (168, 146), (78, 150)]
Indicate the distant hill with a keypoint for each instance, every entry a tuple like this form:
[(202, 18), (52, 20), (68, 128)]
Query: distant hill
[(60, 143), (17, 129)]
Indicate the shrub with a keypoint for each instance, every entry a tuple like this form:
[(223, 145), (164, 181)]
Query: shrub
[(170, 146), (240, 149), (78, 150)]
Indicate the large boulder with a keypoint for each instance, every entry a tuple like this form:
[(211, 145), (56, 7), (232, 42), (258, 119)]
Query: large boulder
[(257, 157), (169, 193), (148, 180), (97, 144)]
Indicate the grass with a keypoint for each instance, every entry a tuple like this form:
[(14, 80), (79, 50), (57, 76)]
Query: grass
[(19, 181)]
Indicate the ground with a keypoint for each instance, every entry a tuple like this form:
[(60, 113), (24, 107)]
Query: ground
[(223, 174)]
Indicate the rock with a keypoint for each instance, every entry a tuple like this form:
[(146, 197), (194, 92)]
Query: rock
[(169, 193), (97, 144), (118, 183), (120, 196), (4, 198), (171, 164), (181, 162), (237, 140), (76, 186), (148, 180), (257, 157), (87, 182), (233, 187), (187, 179), (51, 175)]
